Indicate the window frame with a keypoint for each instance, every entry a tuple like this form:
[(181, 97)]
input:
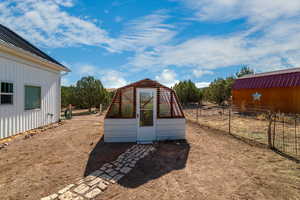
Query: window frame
[(10, 93), (36, 86)]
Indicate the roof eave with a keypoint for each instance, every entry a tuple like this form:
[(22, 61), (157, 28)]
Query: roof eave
[(20, 53)]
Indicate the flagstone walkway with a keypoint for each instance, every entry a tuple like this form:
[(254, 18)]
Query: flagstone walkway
[(110, 173)]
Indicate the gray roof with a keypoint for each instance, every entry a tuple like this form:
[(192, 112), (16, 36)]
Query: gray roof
[(284, 71), (12, 38)]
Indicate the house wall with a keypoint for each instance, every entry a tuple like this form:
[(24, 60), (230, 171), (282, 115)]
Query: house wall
[(125, 130), (278, 99), (13, 118)]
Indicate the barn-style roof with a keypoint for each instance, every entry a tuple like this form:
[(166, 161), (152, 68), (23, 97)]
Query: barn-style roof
[(9, 37), (274, 79)]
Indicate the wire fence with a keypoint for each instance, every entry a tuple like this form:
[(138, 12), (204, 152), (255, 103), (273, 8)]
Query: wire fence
[(279, 131)]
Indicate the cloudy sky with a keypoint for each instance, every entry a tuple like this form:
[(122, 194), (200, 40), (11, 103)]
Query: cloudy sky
[(120, 41)]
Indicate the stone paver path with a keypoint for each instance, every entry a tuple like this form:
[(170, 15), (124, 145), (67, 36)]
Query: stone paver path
[(110, 173)]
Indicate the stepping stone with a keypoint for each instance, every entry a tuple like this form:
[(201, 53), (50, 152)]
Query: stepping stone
[(93, 193), (125, 170), (65, 189), (81, 189), (70, 196), (102, 186), (116, 178), (50, 197), (89, 178), (113, 173), (96, 173), (95, 181)]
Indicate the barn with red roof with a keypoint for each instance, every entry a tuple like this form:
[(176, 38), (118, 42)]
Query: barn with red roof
[(278, 91)]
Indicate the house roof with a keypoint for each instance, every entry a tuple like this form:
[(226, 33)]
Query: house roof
[(11, 38), (280, 78)]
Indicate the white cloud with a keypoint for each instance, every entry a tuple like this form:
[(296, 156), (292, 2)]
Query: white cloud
[(202, 84), (167, 77), (200, 72), (45, 23), (113, 79), (65, 81), (256, 11), (145, 32), (87, 70)]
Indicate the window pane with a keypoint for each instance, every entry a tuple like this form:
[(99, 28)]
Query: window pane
[(6, 99), (164, 103), (146, 118), (32, 97), (114, 110), (7, 87), (146, 108), (127, 102)]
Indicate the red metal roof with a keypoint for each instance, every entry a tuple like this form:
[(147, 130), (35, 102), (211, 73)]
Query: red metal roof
[(291, 79)]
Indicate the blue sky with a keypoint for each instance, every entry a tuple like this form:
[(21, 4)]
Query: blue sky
[(121, 41)]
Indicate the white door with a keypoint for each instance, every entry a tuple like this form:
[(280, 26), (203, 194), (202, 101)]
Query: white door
[(146, 114)]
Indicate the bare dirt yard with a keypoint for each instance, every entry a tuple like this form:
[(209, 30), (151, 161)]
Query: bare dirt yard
[(210, 165)]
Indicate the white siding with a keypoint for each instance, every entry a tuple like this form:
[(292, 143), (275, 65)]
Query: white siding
[(170, 129), (120, 130), (125, 130), (13, 118)]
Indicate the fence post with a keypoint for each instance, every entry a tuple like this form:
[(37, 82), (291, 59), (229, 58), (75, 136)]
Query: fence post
[(274, 131), (229, 120), (197, 112), (283, 144), (270, 130), (100, 108), (296, 144)]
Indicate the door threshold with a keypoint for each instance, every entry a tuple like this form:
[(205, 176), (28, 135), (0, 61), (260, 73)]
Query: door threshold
[(144, 142)]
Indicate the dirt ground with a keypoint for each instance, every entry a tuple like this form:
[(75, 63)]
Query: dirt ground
[(210, 165)]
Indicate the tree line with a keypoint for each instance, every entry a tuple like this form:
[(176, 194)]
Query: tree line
[(218, 91), (87, 93)]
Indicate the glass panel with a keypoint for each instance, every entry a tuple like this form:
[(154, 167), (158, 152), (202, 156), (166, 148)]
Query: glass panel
[(7, 87), (6, 99), (164, 103), (127, 102), (32, 97), (176, 109), (146, 108), (115, 107), (146, 118)]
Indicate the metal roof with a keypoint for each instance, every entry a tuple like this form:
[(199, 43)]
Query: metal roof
[(282, 79), (12, 38)]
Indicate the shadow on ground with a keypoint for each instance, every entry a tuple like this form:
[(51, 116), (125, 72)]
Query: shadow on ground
[(104, 153), (169, 156)]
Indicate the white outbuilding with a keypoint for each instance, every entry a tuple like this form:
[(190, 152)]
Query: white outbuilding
[(29, 85), (143, 112)]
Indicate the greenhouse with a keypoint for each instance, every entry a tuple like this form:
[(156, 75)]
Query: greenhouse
[(143, 112)]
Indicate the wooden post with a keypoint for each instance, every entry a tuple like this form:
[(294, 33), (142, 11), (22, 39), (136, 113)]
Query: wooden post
[(270, 130), (197, 112), (229, 120), (283, 145), (100, 108), (70, 110), (296, 144), (274, 130)]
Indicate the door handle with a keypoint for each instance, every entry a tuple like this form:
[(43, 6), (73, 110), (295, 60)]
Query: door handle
[(137, 115)]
